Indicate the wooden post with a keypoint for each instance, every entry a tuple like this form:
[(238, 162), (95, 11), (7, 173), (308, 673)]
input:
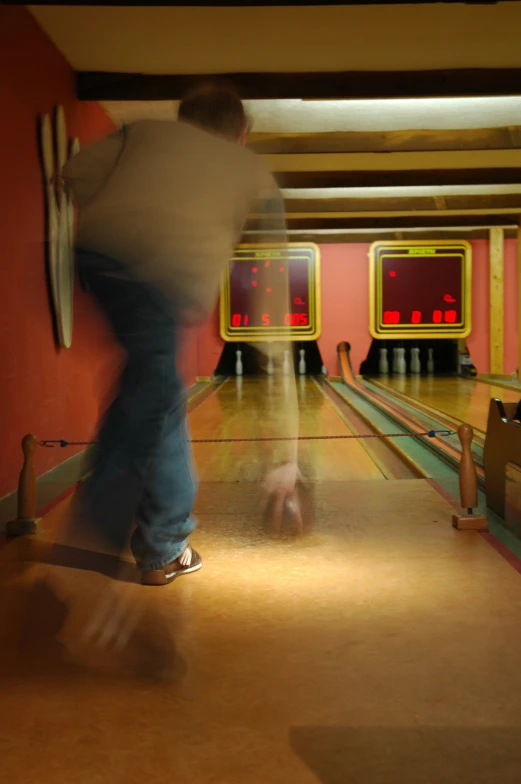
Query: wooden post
[(496, 257), (26, 521), (468, 486), (519, 303)]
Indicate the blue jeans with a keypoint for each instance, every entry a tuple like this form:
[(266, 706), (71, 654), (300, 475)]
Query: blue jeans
[(143, 469)]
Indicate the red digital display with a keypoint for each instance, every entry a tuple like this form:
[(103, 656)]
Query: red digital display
[(271, 292), (420, 289)]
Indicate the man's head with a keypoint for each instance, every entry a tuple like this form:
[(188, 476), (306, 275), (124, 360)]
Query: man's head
[(217, 109)]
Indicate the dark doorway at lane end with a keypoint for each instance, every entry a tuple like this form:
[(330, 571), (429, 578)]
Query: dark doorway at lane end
[(253, 361)]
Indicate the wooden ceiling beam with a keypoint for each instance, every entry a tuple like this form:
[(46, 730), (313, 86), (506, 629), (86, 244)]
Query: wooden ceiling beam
[(508, 201), (367, 237), (476, 82), (386, 141), (396, 178), (404, 222), (243, 3), (396, 222)]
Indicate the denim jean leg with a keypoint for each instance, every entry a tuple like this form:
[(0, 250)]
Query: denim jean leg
[(131, 438), (163, 519)]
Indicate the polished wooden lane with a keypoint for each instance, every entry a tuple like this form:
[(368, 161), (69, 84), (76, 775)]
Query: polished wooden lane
[(246, 408), (381, 647), (462, 398)]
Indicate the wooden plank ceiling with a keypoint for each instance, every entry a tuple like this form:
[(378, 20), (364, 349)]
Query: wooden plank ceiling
[(361, 218), (427, 145), (358, 186)]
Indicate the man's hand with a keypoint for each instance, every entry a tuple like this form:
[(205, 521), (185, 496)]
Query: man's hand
[(280, 485)]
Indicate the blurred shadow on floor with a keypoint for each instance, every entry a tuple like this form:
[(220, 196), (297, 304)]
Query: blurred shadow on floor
[(410, 755), (41, 638)]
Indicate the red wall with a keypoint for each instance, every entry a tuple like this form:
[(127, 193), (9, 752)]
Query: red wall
[(345, 309), (345, 302), (45, 390)]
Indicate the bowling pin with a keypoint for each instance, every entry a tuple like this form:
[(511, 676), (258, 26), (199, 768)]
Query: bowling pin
[(396, 360), (415, 360), (324, 370), (402, 365), (430, 360), (302, 363), (383, 365), (238, 363), (285, 367), (269, 368)]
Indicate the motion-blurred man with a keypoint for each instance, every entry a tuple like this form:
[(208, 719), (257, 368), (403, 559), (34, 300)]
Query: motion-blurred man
[(162, 205)]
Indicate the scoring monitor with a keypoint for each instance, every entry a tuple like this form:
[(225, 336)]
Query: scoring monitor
[(251, 309), (420, 289)]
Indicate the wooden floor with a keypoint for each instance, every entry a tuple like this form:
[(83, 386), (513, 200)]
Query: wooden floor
[(241, 409), (462, 398), (380, 648)]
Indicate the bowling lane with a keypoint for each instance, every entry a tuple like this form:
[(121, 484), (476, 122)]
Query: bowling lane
[(462, 398), (283, 660), (244, 408)]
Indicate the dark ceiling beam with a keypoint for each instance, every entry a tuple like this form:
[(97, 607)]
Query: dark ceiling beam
[(432, 234), (105, 86), (404, 204), (400, 222), (373, 179), (387, 141), (403, 222), (246, 3)]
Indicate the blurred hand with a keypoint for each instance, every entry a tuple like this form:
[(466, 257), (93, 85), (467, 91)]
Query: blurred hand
[(59, 183), (115, 616), (280, 485)]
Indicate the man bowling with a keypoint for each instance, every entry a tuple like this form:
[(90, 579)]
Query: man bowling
[(161, 207)]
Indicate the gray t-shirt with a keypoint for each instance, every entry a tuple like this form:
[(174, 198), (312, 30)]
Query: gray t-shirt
[(169, 202)]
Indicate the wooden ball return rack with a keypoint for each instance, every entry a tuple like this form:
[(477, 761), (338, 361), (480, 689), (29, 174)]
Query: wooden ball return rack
[(502, 458)]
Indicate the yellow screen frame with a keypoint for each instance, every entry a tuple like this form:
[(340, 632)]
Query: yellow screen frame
[(375, 294), (284, 333)]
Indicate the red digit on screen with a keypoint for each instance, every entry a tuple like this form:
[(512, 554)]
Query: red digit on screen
[(246, 319), (450, 316), (303, 319), (391, 317), (436, 316), (236, 320), (266, 319), (416, 316)]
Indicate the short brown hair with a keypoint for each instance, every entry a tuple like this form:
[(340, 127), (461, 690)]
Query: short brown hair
[(215, 107)]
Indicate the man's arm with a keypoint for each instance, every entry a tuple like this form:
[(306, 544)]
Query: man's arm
[(284, 412), (85, 173)]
